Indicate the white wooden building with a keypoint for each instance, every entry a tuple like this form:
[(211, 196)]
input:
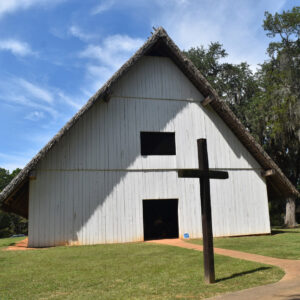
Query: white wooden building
[(110, 175)]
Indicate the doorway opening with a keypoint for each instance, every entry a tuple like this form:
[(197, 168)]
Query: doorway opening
[(160, 219)]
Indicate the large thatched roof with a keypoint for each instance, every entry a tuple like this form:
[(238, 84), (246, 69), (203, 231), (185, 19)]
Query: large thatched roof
[(14, 197)]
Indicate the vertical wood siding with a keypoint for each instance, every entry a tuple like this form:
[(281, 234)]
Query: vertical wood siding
[(89, 188)]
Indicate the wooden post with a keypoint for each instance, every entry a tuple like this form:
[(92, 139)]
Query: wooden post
[(208, 248), (32, 175)]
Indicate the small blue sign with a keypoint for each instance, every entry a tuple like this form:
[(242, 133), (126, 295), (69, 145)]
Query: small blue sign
[(186, 235)]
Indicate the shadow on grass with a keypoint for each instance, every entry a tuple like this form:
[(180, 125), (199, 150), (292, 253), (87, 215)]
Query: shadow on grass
[(243, 273), (274, 232)]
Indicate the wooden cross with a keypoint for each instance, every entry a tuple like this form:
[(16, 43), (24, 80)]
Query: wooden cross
[(204, 174)]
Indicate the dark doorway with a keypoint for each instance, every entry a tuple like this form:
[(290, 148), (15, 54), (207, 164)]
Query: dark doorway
[(160, 219)]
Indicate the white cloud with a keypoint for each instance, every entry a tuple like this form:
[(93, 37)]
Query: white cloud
[(10, 6), (26, 101), (122, 43), (15, 90), (97, 76), (36, 91), (102, 7), (105, 58), (114, 50), (92, 51), (70, 100), (79, 33), (16, 47), (194, 23), (35, 116)]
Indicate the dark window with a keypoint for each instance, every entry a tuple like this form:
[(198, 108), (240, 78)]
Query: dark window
[(158, 143)]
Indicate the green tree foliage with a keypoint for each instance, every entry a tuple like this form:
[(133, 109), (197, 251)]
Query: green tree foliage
[(280, 77), (5, 178), (267, 102), (280, 94), (234, 83), (10, 223)]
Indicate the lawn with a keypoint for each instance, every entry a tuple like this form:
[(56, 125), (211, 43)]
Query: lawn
[(9, 241), (282, 243), (122, 271)]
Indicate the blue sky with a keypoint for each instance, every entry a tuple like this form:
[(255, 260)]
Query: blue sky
[(55, 54)]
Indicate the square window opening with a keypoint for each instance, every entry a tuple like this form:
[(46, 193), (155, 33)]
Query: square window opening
[(158, 143)]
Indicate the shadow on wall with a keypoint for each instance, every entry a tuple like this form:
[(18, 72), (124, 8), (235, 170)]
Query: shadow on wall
[(106, 137)]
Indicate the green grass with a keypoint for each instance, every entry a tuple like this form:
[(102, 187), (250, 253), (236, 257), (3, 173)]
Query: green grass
[(282, 243), (122, 271), (9, 241)]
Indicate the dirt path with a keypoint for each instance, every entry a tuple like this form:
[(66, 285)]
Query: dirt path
[(22, 245), (288, 288)]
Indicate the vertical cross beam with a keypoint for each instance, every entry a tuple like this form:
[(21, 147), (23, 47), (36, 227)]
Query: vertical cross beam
[(208, 249)]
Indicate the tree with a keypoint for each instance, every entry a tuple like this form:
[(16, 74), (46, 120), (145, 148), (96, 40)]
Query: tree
[(5, 178), (280, 92), (234, 83), (10, 223)]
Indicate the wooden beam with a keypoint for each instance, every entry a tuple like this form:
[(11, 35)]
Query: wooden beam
[(206, 101), (32, 175), (267, 173), (107, 95)]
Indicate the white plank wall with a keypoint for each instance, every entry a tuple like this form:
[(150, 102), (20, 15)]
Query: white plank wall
[(90, 187)]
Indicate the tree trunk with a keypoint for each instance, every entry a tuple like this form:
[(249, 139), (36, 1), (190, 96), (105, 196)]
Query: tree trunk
[(290, 213)]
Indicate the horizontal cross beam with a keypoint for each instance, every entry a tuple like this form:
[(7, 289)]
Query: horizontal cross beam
[(197, 173)]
